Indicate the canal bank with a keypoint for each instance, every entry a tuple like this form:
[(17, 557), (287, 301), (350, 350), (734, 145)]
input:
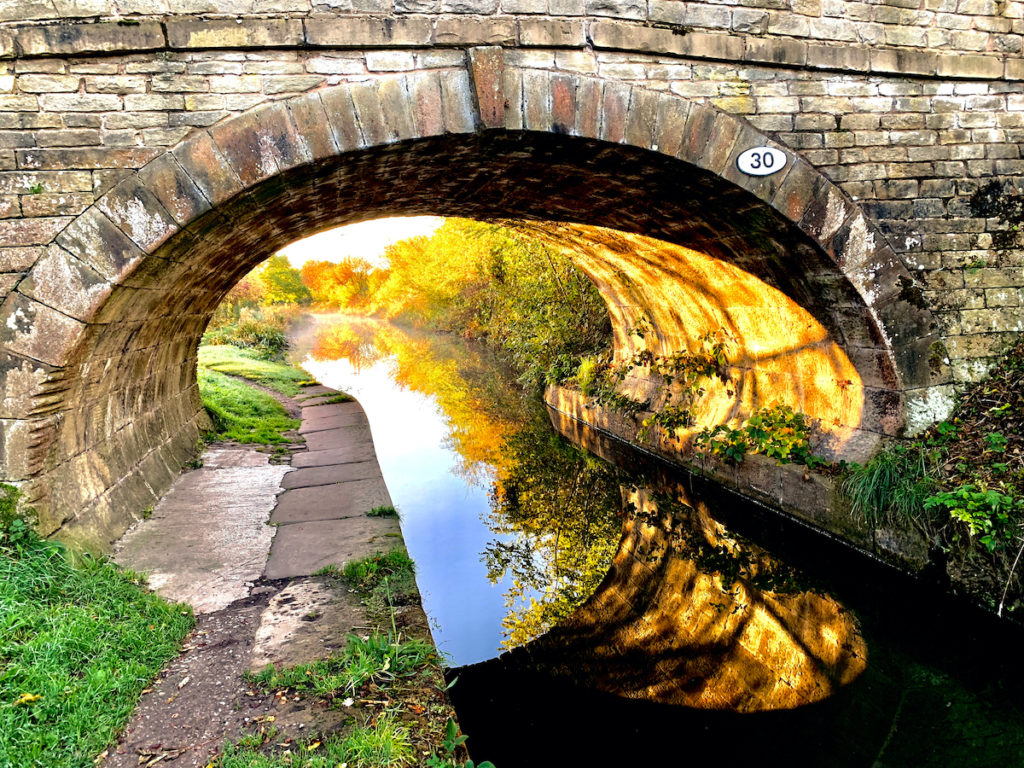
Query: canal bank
[(259, 550)]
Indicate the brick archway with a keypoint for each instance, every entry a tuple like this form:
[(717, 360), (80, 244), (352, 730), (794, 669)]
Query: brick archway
[(100, 335)]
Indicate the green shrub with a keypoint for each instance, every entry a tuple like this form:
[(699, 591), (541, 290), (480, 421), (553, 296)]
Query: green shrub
[(778, 432)]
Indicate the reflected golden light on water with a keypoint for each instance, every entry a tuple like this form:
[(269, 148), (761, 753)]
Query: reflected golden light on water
[(718, 624)]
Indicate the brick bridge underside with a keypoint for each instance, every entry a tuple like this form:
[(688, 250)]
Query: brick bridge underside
[(149, 163)]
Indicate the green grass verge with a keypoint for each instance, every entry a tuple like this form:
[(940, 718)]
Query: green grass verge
[(378, 659), (78, 644), (248, 364), (243, 413), (383, 744)]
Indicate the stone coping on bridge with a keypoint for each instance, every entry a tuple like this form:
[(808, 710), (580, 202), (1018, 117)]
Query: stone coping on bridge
[(78, 37)]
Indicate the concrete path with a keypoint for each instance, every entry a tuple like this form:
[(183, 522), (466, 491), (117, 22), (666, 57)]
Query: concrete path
[(321, 516), (208, 543), (207, 539)]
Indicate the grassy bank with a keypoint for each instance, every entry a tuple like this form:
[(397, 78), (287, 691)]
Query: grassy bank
[(389, 681), (78, 644), (240, 412)]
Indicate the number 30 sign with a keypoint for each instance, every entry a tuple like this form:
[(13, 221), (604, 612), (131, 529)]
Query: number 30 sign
[(761, 161)]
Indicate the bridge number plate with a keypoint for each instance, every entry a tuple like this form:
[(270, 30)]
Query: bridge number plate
[(761, 161)]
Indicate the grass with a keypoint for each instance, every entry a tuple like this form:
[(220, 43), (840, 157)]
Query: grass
[(241, 413), (78, 644), (383, 511), (892, 486), (248, 364), (384, 743), (377, 659)]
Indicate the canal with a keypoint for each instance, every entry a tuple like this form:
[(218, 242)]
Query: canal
[(599, 607)]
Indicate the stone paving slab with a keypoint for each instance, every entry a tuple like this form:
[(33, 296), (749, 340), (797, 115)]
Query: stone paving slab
[(340, 437), (343, 455), (334, 409), (329, 475), (332, 422), (216, 518), (301, 549), (331, 502)]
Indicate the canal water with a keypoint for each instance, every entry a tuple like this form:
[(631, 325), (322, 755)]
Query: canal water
[(599, 607)]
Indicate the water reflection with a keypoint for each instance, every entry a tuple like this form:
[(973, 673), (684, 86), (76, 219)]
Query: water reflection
[(511, 527), (616, 582)]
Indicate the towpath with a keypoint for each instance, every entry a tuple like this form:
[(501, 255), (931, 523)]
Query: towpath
[(239, 540)]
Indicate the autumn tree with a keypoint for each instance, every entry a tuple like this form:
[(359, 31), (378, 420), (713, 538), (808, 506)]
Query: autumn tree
[(282, 283)]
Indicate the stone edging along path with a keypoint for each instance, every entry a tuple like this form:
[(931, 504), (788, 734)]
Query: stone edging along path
[(208, 543)]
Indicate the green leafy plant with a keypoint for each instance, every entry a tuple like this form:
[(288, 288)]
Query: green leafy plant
[(991, 516), (382, 511), (452, 741), (778, 432)]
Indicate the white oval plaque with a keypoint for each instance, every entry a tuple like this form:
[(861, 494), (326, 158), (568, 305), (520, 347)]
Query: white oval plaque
[(761, 161)]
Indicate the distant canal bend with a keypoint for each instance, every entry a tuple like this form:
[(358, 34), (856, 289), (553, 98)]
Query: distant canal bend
[(582, 594)]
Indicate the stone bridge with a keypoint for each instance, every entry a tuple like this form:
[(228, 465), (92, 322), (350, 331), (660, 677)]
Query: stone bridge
[(154, 151)]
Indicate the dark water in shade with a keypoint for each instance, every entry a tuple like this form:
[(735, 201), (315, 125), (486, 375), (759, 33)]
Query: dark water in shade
[(647, 617)]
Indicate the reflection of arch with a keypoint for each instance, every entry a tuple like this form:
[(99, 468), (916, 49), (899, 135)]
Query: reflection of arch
[(99, 338)]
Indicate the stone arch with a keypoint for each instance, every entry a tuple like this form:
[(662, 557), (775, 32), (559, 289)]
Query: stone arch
[(99, 337)]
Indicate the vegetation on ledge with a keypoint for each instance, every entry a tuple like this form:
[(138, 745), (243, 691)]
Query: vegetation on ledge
[(78, 644), (962, 485)]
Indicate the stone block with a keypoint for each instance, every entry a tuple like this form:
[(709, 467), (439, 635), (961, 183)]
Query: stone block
[(241, 33), (341, 116), (36, 331), (239, 142), (394, 102), (174, 188), (552, 33), (642, 121), (428, 112), (310, 120), (361, 32), (24, 232), (94, 239), (203, 162), (589, 98), (457, 102), (369, 116), (475, 31), (512, 85), (66, 283), (84, 159), (389, 61), (615, 98), (536, 100), (76, 39), (20, 381), (138, 213), (487, 65), (776, 51), (481, 7), (277, 135)]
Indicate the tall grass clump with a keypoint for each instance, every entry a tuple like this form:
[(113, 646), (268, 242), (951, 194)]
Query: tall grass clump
[(892, 486), (78, 644)]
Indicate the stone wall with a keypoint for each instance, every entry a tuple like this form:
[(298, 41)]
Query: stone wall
[(137, 146)]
